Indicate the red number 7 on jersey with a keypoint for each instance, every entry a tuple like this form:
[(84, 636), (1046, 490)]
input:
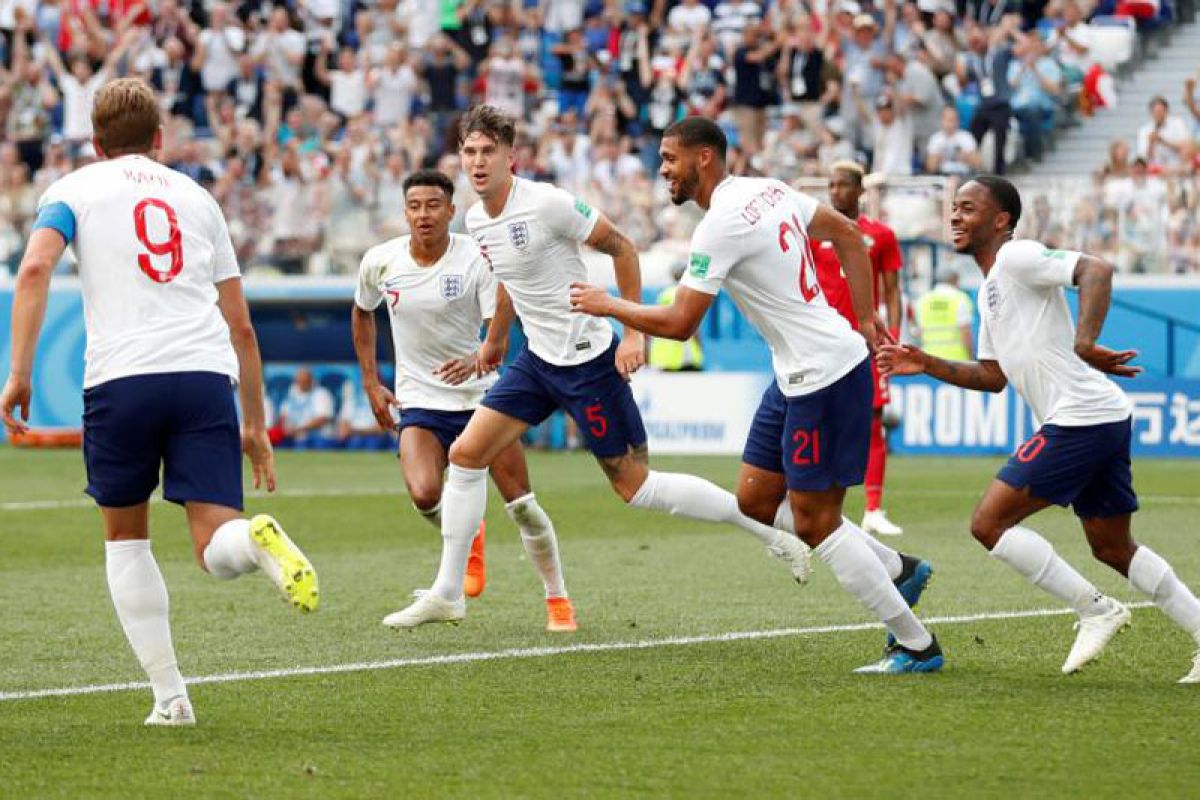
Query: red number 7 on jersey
[(173, 246)]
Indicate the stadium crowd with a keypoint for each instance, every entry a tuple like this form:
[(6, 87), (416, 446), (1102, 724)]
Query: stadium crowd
[(304, 118)]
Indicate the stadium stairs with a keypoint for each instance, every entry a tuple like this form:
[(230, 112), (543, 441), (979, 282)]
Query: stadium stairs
[(1158, 65)]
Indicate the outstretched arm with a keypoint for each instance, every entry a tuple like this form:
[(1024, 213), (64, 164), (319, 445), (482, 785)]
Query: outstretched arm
[(904, 359), (1094, 277), (677, 321)]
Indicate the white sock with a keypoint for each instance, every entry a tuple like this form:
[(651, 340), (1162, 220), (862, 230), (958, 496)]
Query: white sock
[(1029, 554), (464, 501), (860, 573), (890, 559), (231, 552), (688, 496), (1153, 577), (140, 597), (540, 541), (432, 515)]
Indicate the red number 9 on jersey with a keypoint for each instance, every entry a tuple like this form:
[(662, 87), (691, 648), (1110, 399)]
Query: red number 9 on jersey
[(173, 246)]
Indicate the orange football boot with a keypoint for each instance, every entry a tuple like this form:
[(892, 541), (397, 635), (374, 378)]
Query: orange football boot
[(560, 615), (476, 571)]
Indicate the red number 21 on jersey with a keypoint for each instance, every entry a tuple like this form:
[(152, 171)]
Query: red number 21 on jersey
[(173, 246), (809, 288)]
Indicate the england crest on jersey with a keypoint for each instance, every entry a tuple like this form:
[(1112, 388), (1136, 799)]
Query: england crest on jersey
[(452, 287), (518, 234)]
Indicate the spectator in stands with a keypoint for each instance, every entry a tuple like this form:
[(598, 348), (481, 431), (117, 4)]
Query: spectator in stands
[(865, 54), (293, 209), (347, 83), (834, 145), (1164, 139), (913, 83), (729, 21), (943, 41), (30, 98), (891, 134), (951, 150), (1071, 43), (576, 67), (805, 78), (983, 73), (609, 110), (702, 80), (690, 17), (791, 148), (219, 52), (349, 194), (279, 51), (1117, 165), (78, 86), (1036, 82), (943, 317), (754, 85), (306, 414)]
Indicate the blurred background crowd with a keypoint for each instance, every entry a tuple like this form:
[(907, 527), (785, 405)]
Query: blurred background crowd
[(303, 118)]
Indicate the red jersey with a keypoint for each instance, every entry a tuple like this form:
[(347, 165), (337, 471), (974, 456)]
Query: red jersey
[(884, 251)]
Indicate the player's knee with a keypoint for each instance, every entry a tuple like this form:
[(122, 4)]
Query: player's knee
[(425, 497), (1115, 554), (626, 488), (757, 509), (986, 529), (465, 454)]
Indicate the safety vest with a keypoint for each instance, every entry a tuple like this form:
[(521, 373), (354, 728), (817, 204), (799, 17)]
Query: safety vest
[(938, 312), (670, 355)]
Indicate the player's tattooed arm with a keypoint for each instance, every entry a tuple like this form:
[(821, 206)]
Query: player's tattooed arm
[(904, 359), (1094, 277)]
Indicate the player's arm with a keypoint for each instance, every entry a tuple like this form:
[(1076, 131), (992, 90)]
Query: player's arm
[(893, 262), (30, 295), (495, 343), (605, 237), (363, 333), (828, 225), (1093, 277), (677, 321), (984, 375), (232, 303)]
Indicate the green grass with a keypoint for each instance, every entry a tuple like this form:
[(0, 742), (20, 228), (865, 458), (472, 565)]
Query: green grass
[(769, 717)]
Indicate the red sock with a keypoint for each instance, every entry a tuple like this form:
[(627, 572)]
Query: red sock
[(876, 464)]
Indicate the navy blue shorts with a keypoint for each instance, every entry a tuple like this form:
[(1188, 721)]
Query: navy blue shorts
[(184, 423), (819, 440), (445, 425), (1086, 466), (593, 393)]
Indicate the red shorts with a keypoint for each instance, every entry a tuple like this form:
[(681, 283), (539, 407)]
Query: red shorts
[(882, 390)]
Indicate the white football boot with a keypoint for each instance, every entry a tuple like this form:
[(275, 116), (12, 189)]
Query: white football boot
[(796, 553), (176, 713), (1095, 632), (428, 607), (876, 522)]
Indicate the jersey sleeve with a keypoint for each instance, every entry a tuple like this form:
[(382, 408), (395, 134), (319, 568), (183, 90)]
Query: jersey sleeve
[(983, 349), (890, 259), (485, 289), (1031, 264), (567, 215), (367, 294), (807, 204), (55, 212), (712, 257)]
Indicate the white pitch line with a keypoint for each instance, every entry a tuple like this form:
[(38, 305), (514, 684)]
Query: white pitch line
[(84, 502), (531, 652)]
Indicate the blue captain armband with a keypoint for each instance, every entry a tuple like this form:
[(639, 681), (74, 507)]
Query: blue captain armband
[(59, 217)]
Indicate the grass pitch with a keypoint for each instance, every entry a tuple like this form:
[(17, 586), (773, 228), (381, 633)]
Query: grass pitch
[(740, 717)]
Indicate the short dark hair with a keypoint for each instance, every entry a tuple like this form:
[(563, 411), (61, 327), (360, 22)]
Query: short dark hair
[(1158, 98), (701, 132), (429, 177), (1005, 195), (491, 122)]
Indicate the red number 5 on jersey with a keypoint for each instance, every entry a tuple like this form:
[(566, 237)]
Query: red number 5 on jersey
[(173, 246), (809, 288)]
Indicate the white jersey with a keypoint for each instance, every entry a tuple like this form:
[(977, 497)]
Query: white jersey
[(436, 313), (754, 242), (1026, 327), (533, 248), (151, 246)]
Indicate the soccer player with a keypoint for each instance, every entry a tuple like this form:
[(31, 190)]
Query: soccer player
[(845, 192), (1080, 454), (439, 291), (530, 234), (168, 333), (808, 441)]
